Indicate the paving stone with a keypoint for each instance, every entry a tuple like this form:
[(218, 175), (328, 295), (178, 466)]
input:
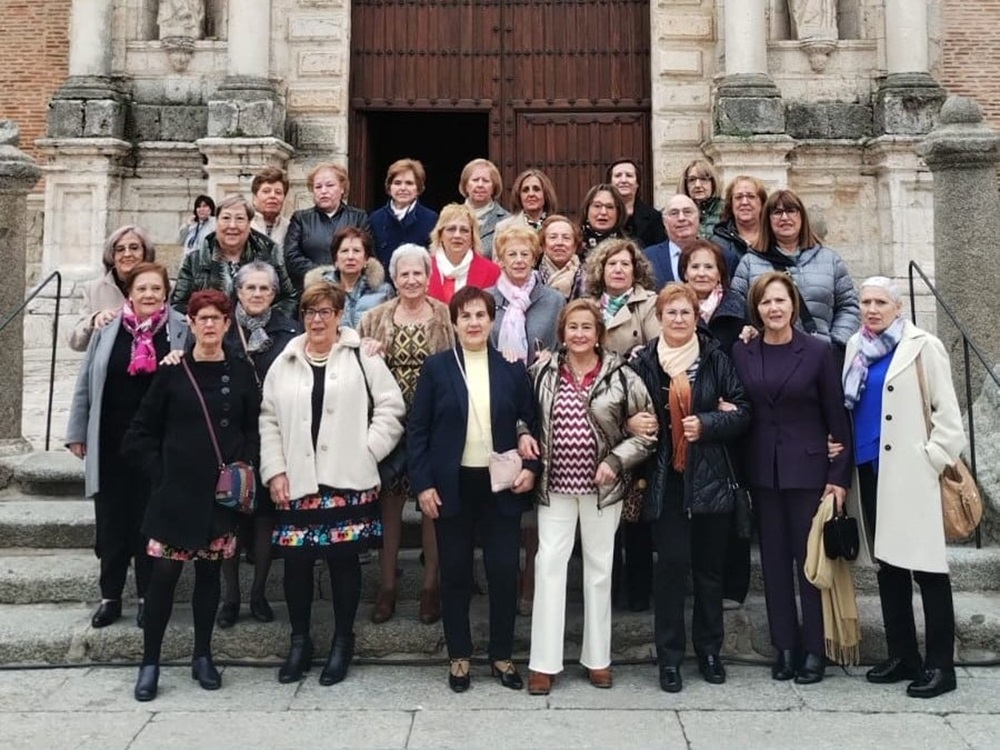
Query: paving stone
[(44, 731)]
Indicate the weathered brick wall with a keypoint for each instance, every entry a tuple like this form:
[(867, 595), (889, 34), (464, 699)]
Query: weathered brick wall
[(34, 57), (969, 61)]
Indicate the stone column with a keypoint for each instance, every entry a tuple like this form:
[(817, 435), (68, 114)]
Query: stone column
[(91, 103), (963, 152), (248, 104), (908, 99), (18, 175), (747, 102)]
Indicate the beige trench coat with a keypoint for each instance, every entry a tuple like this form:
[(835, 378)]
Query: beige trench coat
[(635, 324), (910, 529)]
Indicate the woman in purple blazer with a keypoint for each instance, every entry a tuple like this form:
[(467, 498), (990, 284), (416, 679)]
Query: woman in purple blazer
[(797, 402)]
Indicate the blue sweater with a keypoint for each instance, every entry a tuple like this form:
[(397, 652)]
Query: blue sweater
[(389, 233), (868, 413)]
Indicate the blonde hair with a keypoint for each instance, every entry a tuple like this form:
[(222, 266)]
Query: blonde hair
[(338, 170), (448, 214), (472, 166), (517, 234)]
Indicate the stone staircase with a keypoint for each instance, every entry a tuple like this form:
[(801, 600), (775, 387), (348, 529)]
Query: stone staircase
[(48, 590)]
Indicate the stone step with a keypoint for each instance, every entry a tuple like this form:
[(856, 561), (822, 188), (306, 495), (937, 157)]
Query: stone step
[(61, 634), (46, 522), (54, 472)]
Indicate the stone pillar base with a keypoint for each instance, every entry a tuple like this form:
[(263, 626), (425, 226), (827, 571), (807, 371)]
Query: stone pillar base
[(231, 163), (907, 104), (244, 107), (748, 104), (88, 107), (764, 156)]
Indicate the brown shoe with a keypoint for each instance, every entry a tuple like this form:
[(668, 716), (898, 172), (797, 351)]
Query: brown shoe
[(540, 683), (601, 678), (385, 605), (430, 606)]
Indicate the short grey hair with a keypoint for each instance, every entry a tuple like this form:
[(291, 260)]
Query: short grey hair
[(148, 248), (257, 266), (409, 250), (235, 200), (884, 282)]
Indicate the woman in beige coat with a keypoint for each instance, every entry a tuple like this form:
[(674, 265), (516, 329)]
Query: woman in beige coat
[(899, 466)]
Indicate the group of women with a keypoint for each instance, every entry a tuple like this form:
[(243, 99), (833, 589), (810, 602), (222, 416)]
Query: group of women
[(551, 341)]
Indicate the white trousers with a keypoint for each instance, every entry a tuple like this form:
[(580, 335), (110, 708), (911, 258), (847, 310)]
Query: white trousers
[(556, 534)]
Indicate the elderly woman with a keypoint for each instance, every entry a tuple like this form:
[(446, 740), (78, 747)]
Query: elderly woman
[(585, 396), (406, 331), (688, 495), (895, 375), (794, 386), (261, 333), (471, 402), (403, 219), (199, 225), (310, 231), (532, 198), (644, 223), (356, 270), (603, 212), (828, 301), (103, 297), (215, 263), (330, 414), (560, 266), (456, 255), (703, 267), (740, 226), (114, 377), (210, 400), (481, 186), (699, 183)]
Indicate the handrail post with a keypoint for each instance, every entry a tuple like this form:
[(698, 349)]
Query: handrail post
[(52, 362)]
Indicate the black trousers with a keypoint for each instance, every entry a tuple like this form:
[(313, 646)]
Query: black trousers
[(500, 536), (118, 516), (696, 545), (736, 575), (895, 590)]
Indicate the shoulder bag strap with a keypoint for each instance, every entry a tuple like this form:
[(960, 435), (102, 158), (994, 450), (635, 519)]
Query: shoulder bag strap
[(472, 404), (924, 397), (204, 409), (246, 351), (368, 388)]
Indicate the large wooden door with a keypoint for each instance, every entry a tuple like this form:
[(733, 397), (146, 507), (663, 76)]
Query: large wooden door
[(566, 83)]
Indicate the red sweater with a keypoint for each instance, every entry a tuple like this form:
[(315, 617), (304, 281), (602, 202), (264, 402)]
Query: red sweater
[(483, 273)]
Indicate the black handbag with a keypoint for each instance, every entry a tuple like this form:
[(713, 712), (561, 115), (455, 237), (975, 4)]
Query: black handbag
[(841, 539), (743, 520), (393, 466)]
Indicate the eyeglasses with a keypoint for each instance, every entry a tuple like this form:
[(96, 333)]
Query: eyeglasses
[(323, 313), (239, 220), (697, 178), (686, 312), (750, 197), (132, 249), (602, 206), (206, 319), (791, 211), (457, 229), (253, 288), (675, 213)]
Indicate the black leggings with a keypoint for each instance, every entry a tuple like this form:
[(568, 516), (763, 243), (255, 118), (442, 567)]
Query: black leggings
[(256, 529), (160, 603), (345, 585)]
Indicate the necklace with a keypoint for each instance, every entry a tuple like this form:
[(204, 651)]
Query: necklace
[(316, 360), (579, 375)]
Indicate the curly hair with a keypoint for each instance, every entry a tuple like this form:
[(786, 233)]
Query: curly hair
[(642, 271)]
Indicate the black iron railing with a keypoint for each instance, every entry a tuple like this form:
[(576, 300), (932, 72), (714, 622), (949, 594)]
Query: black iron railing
[(55, 339), (968, 347)]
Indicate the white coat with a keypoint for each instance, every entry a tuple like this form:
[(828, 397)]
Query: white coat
[(348, 448), (910, 527)]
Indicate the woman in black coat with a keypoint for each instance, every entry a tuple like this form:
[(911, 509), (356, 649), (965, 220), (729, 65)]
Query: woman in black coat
[(170, 439), (261, 333), (688, 495)]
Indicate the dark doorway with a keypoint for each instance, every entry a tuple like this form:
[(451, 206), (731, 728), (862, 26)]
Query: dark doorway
[(442, 141)]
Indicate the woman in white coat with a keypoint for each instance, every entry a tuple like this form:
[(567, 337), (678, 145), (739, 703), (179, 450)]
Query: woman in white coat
[(898, 478)]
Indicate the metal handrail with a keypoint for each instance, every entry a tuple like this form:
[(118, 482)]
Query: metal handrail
[(967, 345), (55, 339)]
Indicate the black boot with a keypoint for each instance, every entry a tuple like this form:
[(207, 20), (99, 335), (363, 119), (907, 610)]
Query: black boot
[(341, 653), (299, 660), (784, 666), (147, 683)]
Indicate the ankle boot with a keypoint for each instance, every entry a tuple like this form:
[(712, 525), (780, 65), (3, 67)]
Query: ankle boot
[(299, 660), (341, 653)]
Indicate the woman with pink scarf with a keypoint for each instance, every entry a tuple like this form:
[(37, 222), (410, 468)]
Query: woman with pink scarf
[(116, 372)]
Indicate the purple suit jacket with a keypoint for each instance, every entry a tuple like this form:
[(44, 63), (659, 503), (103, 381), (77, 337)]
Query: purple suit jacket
[(786, 447)]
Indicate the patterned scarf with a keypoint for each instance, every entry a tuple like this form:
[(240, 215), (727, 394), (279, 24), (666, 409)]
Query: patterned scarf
[(871, 348), (563, 279), (676, 361), (611, 305), (513, 335), (708, 306), (258, 341), (144, 359)]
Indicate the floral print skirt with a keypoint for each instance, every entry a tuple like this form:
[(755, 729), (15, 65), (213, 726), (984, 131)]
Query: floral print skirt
[(220, 548), (329, 523)]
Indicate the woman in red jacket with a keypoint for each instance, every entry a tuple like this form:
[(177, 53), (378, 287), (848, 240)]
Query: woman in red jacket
[(457, 255)]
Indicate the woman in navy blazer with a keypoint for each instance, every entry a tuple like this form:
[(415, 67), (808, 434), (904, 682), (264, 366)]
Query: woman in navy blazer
[(470, 401), (797, 399)]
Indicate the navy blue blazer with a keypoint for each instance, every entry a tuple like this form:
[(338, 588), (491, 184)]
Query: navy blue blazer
[(659, 259), (435, 429), (786, 447), (388, 232)]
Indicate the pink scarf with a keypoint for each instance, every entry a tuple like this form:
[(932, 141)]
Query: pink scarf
[(513, 337), (143, 352), (708, 306)]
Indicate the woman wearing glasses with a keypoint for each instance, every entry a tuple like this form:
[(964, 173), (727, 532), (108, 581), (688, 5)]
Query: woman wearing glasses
[(741, 223), (829, 308), (699, 183)]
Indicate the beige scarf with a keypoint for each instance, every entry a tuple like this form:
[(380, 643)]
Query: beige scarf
[(560, 279), (676, 361), (835, 581)]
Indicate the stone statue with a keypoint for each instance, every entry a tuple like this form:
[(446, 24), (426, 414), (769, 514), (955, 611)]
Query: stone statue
[(815, 25), (181, 18)]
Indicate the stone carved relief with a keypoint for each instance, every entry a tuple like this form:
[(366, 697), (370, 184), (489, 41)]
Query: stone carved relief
[(181, 22), (815, 25)]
